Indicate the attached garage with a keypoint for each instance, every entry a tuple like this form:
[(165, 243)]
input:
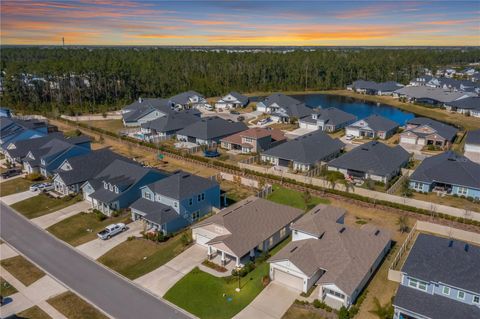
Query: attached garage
[(352, 131), (408, 140), (201, 236), (287, 279), (307, 125)]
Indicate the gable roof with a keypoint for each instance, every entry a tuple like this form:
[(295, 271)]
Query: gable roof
[(313, 222), (334, 116), (212, 128), (173, 121), (182, 185), (155, 212), (53, 147), (372, 157), (184, 97), (473, 137), (292, 106), (468, 103), (12, 126), (388, 86), (450, 168), (379, 123), (137, 110), (256, 133), (24, 146), (438, 94), (444, 130), (250, 222), (240, 97), (444, 260)]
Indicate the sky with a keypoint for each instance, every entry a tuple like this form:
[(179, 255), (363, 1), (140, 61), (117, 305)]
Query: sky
[(291, 23)]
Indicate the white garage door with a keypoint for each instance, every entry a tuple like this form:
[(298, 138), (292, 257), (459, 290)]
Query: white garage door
[(472, 148), (202, 240), (288, 279), (353, 132), (408, 140)]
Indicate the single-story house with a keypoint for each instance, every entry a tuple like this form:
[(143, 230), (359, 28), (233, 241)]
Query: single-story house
[(169, 125), (305, 152), (176, 201), (373, 126), (448, 173), (374, 88), (75, 171), (209, 130), (283, 108), (145, 110), (13, 129), (325, 252), (423, 80), (240, 232), (459, 85), (472, 144), (186, 100), (119, 185), (373, 160), (253, 140), (328, 120), (232, 100), (430, 95), (16, 151), (468, 106), (425, 131), (440, 279)]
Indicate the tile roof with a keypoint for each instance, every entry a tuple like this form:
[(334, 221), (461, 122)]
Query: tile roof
[(212, 128), (450, 168)]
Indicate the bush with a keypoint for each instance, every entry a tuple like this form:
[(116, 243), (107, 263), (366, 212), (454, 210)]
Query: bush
[(115, 213), (186, 239), (343, 313), (130, 238), (242, 272), (34, 177), (99, 215)]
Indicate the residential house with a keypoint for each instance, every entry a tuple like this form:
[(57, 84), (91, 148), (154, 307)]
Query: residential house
[(472, 146), (209, 130), (305, 152), (440, 280), (13, 129), (75, 171), (424, 80), (119, 185), (232, 100), (187, 100), (459, 85), (374, 88), (50, 156), (469, 106), (169, 125), (253, 140), (242, 231), (176, 201), (425, 131), (337, 258), (4, 112), (145, 110), (16, 151), (430, 95), (373, 126), (373, 160), (283, 108), (447, 173), (328, 120)]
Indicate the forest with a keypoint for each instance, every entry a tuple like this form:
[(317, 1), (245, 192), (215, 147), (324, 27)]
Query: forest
[(86, 80)]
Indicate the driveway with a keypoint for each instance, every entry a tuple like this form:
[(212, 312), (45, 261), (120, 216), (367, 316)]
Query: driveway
[(474, 157), (48, 220), (299, 132), (98, 247), (18, 197), (163, 278), (271, 303)]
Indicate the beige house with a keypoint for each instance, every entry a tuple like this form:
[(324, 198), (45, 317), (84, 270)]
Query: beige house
[(253, 140)]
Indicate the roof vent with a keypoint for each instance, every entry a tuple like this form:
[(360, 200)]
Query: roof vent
[(342, 230), (321, 236), (466, 247), (377, 232), (450, 243), (293, 249)]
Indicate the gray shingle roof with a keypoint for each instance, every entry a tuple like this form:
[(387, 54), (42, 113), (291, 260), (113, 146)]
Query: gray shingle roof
[(450, 168), (469, 103), (473, 137), (379, 123), (24, 146), (444, 130), (212, 128), (373, 157), (432, 259), (388, 86), (184, 97), (334, 116), (292, 106), (240, 97), (182, 185), (173, 121), (137, 110), (438, 94), (434, 306), (307, 149), (155, 212), (313, 222)]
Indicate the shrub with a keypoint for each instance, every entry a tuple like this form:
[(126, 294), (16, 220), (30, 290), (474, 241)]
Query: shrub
[(34, 177), (130, 238), (343, 313), (99, 215), (186, 239), (242, 272), (115, 213)]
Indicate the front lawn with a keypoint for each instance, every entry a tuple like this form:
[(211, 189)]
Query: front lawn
[(5, 288), (13, 186), (34, 312), (43, 204), (293, 198), (137, 257), (26, 272), (74, 307), (82, 227), (207, 296)]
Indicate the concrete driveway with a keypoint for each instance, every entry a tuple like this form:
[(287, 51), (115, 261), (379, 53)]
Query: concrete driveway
[(163, 278), (271, 303), (18, 197), (48, 220), (98, 247), (299, 132)]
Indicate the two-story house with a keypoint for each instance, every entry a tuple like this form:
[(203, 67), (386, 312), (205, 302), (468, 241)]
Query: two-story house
[(187, 100), (328, 120), (283, 108), (169, 125), (145, 110), (16, 151), (440, 280), (12, 130), (175, 202), (253, 140)]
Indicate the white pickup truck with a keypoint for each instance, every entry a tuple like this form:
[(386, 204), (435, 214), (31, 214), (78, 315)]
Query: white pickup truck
[(111, 230)]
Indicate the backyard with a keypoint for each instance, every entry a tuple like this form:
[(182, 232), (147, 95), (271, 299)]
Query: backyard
[(137, 257), (447, 200), (74, 307), (113, 126), (22, 269), (43, 204), (293, 198), (13, 186)]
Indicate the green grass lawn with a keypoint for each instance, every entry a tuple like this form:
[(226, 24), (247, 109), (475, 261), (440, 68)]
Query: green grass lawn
[(74, 307), (26, 272), (82, 227), (293, 198), (14, 186), (5, 288), (33, 313), (203, 294), (128, 257), (42, 204)]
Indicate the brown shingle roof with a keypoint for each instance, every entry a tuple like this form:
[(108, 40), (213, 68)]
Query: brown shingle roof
[(256, 132)]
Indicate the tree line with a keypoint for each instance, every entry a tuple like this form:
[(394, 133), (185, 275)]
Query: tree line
[(80, 80)]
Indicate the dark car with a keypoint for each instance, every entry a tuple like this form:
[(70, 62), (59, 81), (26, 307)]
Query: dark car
[(11, 172), (234, 112), (241, 118)]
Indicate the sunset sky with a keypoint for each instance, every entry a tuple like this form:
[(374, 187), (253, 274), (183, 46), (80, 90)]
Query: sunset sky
[(353, 23)]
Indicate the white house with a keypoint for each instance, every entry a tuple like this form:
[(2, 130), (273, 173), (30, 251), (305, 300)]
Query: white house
[(232, 100)]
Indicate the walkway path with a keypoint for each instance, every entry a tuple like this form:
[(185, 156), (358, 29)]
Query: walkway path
[(48, 220), (18, 197)]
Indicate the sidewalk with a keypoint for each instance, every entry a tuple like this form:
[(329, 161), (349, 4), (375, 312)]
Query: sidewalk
[(48, 220)]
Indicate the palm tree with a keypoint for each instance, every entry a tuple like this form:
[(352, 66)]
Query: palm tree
[(382, 312), (402, 223), (307, 198)]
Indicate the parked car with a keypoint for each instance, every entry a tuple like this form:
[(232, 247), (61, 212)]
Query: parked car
[(349, 137), (11, 172), (41, 187), (111, 230), (208, 107), (264, 121)]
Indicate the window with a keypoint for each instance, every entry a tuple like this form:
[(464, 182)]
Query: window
[(462, 191), (147, 196), (283, 231), (417, 185), (203, 196), (461, 295), (199, 197), (421, 285), (270, 242), (446, 290), (190, 201), (195, 215), (476, 299), (175, 204)]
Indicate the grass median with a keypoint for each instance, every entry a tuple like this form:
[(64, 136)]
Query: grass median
[(43, 204), (20, 268), (14, 186), (74, 307), (33, 313), (6, 289)]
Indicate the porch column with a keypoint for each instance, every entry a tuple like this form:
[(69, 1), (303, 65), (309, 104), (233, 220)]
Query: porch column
[(252, 254), (223, 258), (224, 200), (209, 252), (237, 262)]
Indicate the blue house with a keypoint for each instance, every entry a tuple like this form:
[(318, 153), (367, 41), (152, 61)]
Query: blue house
[(118, 185), (12, 130), (4, 112), (175, 202), (440, 280), (448, 173)]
